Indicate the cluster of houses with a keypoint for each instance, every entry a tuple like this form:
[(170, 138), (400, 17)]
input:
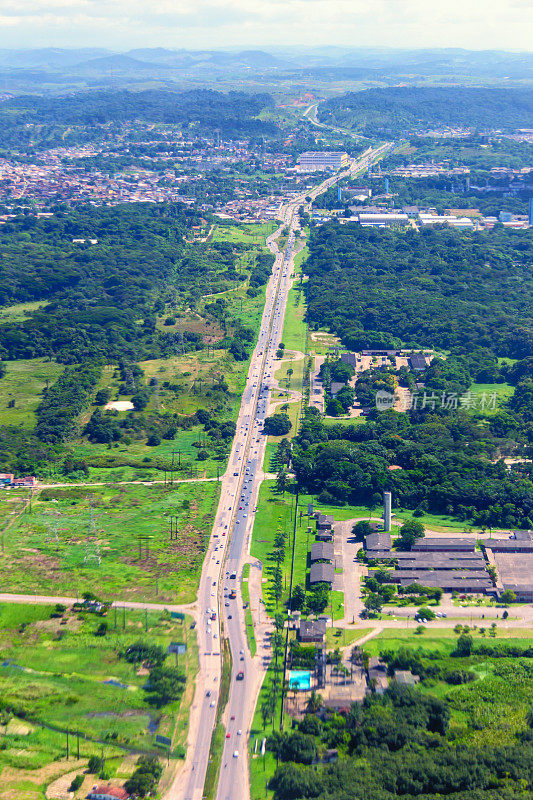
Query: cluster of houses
[(322, 553), (379, 679), (62, 175), (8, 481)]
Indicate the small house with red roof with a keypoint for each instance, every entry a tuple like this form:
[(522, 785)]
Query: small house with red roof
[(108, 792)]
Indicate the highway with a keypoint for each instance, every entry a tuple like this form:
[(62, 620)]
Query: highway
[(230, 541)]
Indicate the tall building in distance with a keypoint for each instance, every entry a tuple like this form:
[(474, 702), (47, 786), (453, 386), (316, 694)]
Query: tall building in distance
[(321, 161), (387, 509)]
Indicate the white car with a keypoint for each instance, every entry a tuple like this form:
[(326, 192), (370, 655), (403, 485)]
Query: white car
[(235, 754)]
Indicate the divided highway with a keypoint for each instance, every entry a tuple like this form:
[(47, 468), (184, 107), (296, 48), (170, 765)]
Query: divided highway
[(219, 594)]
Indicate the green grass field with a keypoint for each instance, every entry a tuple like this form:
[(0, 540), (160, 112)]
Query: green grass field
[(329, 421), (248, 234), (274, 515), (294, 328), (19, 311), (262, 767), (441, 639), (287, 384), (52, 550), (57, 672), (23, 383), (138, 461), (343, 637), (300, 257), (489, 398)]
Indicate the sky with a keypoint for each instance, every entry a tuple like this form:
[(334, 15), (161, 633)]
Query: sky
[(189, 24)]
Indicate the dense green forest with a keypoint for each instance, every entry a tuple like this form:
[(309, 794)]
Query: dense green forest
[(231, 113), (102, 300), (401, 110), (446, 462), (438, 288), (467, 294)]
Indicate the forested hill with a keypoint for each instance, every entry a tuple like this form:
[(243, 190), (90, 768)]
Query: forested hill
[(234, 112), (402, 110), (438, 288)]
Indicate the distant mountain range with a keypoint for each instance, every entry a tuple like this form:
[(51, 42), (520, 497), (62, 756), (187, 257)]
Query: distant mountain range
[(100, 66), (141, 60)]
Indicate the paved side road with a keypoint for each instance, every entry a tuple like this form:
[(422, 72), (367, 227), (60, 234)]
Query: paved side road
[(43, 599)]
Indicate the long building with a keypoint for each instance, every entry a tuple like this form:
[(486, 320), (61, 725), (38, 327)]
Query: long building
[(443, 544), (449, 582), (321, 573), (385, 220), (322, 551), (321, 161)]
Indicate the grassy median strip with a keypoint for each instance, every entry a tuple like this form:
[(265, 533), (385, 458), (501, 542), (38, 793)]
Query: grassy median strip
[(250, 635)]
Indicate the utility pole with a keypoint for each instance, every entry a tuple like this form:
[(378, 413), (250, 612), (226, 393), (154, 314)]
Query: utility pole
[(289, 611)]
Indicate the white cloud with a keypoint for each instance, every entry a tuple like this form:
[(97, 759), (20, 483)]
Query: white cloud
[(478, 24)]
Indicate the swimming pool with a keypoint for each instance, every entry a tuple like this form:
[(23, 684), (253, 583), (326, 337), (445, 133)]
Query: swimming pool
[(300, 679)]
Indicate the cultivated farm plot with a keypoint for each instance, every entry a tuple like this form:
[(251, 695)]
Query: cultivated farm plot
[(56, 548)]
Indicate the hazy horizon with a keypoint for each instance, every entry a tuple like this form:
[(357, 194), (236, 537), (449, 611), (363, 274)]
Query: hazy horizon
[(208, 24)]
